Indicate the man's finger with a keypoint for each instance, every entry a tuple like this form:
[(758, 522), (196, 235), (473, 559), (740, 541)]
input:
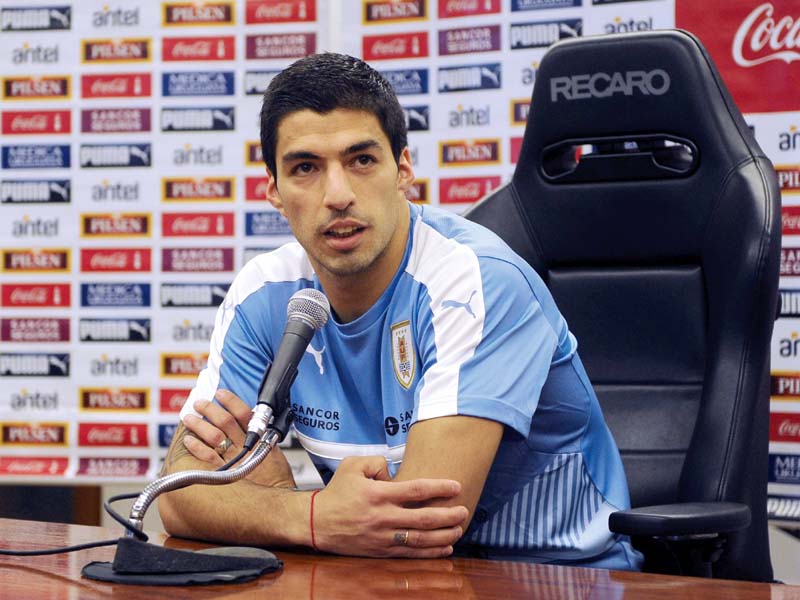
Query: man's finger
[(205, 431), (406, 552), (427, 518), (236, 406), (419, 490), (418, 538), (223, 420), (201, 452)]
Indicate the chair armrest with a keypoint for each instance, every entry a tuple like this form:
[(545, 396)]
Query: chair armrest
[(684, 519)]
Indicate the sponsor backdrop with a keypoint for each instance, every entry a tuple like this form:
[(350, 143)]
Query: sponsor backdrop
[(132, 181)]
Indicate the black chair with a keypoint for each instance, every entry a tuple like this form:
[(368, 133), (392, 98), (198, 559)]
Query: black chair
[(644, 202)]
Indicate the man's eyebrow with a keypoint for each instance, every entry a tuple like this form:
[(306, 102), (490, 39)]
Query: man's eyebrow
[(299, 155), (360, 147), (352, 149)]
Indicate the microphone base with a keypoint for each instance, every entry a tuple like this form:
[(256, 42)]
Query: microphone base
[(140, 563)]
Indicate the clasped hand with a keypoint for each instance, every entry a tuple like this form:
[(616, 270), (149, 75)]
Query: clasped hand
[(361, 512)]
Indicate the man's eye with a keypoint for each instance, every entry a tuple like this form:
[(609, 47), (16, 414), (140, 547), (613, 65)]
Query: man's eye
[(364, 160), (302, 169)]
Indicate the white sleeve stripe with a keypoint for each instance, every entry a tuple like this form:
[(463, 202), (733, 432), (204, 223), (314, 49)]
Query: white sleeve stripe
[(340, 451), (451, 273), (287, 263)]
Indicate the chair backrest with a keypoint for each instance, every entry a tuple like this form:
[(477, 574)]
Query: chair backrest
[(644, 202)]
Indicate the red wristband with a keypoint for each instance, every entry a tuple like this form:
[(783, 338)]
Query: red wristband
[(311, 519)]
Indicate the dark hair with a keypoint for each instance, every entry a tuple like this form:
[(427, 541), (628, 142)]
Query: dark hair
[(325, 82)]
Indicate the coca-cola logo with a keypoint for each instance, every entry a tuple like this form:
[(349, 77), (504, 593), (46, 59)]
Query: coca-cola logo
[(37, 295), (112, 434), (784, 427), (790, 220), (172, 400), (763, 37), (24, 465), (196, 49)]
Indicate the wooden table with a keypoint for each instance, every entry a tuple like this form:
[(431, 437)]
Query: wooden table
[(314, 576)]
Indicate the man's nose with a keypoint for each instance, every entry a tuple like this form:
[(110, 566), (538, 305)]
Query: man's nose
[(338, 191)]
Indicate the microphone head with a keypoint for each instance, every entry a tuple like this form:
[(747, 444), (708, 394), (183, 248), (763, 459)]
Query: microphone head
[(309, 305)]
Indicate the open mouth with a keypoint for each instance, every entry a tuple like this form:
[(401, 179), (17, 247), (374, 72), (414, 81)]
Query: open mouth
[(343, 232)]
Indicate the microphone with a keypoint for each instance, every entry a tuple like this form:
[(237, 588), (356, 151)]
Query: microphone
[(307, 312)]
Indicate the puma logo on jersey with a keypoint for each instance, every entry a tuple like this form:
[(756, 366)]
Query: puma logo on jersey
[(465, 305), (317, 354)]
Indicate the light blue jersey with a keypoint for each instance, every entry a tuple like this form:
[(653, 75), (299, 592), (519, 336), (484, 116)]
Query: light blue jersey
[(466, 327)]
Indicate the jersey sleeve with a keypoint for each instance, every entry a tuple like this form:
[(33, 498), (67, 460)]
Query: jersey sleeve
[(486, 343)]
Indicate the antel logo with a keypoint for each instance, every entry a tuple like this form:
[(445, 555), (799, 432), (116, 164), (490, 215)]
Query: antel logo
[(116, 260), (193, 295), (35, 191), (395, 45), (114, 366), (467, 40), (418, 193), (216, 224), (114, 399), (469, 116), (602, 85), (41, 18), (788, 178), (171, 400), (185, 189), (221, 47), (114, 330), (112, 434), (280, 45), (182, 365), (194, 13), (27, 54), (544, 33), (34, 364), (35, 87), (389, 11), (34, 329), (35, 295), (458, 190), (32, 122), (26, 400), (449, 9), (255, 189), (113, 467), (115, 120), (116, 85), (790, 262), (28, 226), (116, 51), (34, 434), (456, 153), (47, 466), (117, 17), (36, 260), (280, 11), (187, 331), (784, 385), (108, 225), (108, 295), (790, 220), (784, 427), (198, 83), (197, 155), (193, 260)]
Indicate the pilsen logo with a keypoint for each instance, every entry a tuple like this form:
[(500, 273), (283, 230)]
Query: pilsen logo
[(36, 87), (198, 83), (268, 222), (129, 225), (112, 434), (31, 122), (790, 220), (254, 157), (197, 13), (116, 51), (49, 466), (32, 364), (36, 295), (418, 192), (171, 400), (216, 224), (182, 365), (115, 120), (113, 467), (116, 85), (784, 386), (34, 434), (193, 260), (48, 156), (784, 427), (99, 156), (280, 45), (41, 18), (467, 40), (388, 11), (458, 190), (199, 48), (280, 11), (218, 118), (764, 36), (457, 153), (36, 260), (395, 45), (114, 399), (34, 191), (183, 189), (790, 262), (519, 111), (255, 189), (114, 330), (788, 178), (193, 295), (449, 9), (115, 294), (115, 260), (35, 329)]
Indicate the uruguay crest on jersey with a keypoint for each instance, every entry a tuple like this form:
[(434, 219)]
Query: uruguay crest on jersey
[(403, 356)]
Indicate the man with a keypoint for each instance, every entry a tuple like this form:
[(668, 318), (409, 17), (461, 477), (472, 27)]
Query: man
[(443, 403)]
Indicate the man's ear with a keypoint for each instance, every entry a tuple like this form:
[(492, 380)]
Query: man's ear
[(405, 172), (273, 196)]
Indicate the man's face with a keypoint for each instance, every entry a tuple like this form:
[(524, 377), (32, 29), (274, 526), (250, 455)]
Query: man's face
[(342, 192)]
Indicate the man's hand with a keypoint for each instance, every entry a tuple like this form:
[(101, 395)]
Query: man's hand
[(362, 513)]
